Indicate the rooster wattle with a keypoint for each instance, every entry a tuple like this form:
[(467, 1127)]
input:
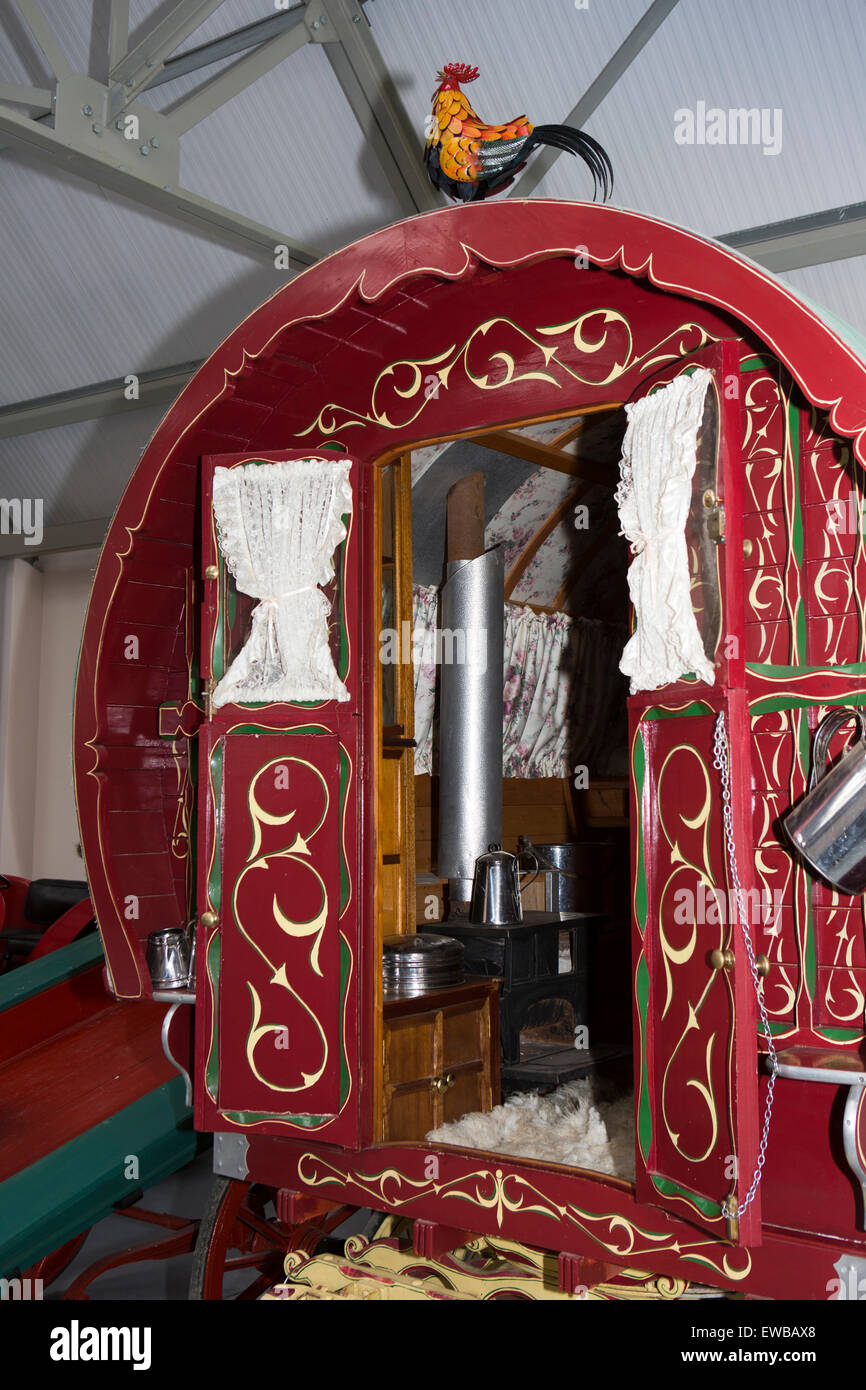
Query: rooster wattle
[(468, 159)]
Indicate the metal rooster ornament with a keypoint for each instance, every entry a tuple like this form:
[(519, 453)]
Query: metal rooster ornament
[(470, 160)]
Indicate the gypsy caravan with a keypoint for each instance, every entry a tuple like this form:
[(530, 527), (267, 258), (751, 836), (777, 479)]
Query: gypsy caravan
[(246, 761)]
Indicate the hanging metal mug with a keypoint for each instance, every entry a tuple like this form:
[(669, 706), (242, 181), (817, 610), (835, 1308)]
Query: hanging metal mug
[(169, 958), (828, 826)]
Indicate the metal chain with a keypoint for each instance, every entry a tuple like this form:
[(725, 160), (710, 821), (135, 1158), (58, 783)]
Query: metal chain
[(720, 763)]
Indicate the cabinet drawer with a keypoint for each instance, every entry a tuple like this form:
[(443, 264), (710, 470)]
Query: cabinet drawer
[(465, 1035), (410, 1048), (441, 1058), (410, 1112), (471, 1091)]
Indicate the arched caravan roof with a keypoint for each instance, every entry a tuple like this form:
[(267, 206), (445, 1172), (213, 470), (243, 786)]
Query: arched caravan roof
[(341, 356)]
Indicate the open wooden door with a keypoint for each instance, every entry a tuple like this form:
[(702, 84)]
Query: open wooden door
[(694, 1001), (280, 902)]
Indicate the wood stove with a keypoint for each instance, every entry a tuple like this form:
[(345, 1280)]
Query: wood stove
[(545, 959)]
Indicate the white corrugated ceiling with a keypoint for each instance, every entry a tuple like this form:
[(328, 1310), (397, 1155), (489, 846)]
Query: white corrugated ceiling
[(94, 287)]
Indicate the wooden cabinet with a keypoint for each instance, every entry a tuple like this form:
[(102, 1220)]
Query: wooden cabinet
[(441, 1058)]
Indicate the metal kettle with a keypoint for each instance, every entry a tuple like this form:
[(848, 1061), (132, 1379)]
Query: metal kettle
[(828, 826), (496, 888)]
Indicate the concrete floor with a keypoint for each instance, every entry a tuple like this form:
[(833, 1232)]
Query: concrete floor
[(183, 1194)]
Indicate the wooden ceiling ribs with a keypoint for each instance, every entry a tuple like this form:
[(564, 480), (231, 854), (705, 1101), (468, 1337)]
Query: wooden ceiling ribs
[(548, 456), (527, 555)]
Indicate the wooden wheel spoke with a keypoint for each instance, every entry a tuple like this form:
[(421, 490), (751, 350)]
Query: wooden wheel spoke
[(273, 1236), (235, 1234)]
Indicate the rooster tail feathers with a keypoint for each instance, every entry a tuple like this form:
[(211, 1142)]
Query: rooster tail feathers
[(563, 137)]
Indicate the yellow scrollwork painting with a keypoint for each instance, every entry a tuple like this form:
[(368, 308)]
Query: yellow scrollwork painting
[(304, 882), (403, 390)]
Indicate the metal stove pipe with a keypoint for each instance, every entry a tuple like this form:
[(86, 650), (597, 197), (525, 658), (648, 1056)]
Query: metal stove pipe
[(470, 716)]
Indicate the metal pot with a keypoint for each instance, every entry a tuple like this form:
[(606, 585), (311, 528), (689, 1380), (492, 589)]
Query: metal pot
[(828, 826), (496, 888), (569, 884)]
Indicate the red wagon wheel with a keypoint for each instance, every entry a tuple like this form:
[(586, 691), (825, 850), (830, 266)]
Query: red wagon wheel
[(51, 1266), (241, 1244)]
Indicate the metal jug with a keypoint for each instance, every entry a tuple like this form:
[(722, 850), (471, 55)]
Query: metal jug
[(169, 958), (828, 826), (496, 888)]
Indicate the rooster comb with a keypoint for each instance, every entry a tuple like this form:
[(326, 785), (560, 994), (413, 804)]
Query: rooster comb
[(463, 72)]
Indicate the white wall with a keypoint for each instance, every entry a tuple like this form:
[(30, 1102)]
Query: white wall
[(42, 609)]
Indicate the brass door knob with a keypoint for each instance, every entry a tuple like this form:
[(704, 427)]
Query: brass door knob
[(722, 960), (441, 1084), (763, 966), (209, 919), (212, 572)]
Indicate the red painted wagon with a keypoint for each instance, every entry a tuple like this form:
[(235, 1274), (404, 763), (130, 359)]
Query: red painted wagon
[(283, 826)]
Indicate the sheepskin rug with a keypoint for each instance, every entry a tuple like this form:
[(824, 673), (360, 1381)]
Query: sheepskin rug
[(584, 1124)]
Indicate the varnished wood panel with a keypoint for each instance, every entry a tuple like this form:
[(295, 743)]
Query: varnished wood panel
[(451, 1033)]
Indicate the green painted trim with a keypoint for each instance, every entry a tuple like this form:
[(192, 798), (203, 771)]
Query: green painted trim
[(756, 364), (248, 1118), (770, 704), (641, 894), (68, 1190), (668, 1188), (217, 651), (834, 1034), (856, 668), (688, 711), (214, 883), (345, 967), (213, 953), (213, 962), (797, 541), (644, 1115), (810, 961), (339, 570), (775, 703), (49, 970), (345, 879)]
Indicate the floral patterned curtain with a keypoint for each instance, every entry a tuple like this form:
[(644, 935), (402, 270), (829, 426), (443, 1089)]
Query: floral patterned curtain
[(425, 608), (563, 695)]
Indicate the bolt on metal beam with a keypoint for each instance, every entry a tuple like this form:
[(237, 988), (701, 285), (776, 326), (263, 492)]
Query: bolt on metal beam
[(178, 203), (136, 69)]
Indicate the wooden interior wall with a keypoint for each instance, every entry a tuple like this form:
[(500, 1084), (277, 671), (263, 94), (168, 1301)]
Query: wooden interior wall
[(539, 807)]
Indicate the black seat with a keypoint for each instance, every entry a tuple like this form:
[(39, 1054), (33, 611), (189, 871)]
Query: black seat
[(48, 898)]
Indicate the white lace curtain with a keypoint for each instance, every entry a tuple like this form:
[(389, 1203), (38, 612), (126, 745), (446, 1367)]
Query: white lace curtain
[(278, 525), (561, 689), (654, 495)]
